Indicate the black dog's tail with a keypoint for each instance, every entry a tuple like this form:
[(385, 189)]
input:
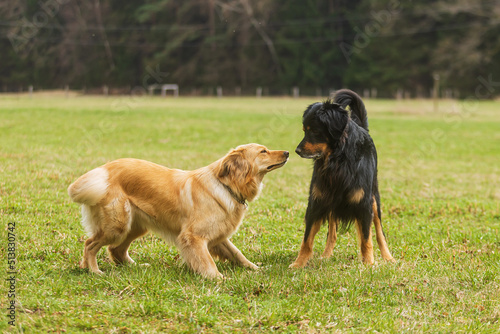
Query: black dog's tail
[(346, 97)]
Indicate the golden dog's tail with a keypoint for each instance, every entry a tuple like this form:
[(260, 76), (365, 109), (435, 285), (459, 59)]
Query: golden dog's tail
[(90, 188)]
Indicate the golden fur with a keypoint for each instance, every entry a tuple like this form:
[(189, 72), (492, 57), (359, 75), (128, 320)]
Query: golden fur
[(196, 210)]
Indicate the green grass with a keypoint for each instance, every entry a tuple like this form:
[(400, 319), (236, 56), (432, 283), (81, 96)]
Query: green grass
[(440, 187)]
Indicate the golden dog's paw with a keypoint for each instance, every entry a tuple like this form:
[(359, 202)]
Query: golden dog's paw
[(297, 265), (252, 266), (214, 276)]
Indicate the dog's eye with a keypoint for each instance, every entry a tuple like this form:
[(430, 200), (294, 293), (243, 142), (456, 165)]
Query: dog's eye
[(263, 151)]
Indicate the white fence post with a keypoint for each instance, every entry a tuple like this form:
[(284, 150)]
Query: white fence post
[(173, 87)]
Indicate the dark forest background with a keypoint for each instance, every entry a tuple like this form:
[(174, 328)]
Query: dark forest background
[(387, 46)]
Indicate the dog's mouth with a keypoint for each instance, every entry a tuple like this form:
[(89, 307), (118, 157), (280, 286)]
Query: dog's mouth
[(275, 166), (314, 156)]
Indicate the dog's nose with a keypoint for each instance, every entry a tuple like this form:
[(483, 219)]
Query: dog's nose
[(298, 150), (287, 154)]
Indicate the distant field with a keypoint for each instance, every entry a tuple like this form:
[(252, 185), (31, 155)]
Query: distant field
[(439, 182)]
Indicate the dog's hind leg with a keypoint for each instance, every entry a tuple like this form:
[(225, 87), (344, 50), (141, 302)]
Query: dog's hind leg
[(119, 253), (195, 252), (381, 241), (306, 248), (92, 246), (227, 250), (110, 225), (91, 218), (331, 239), (131, 227), (363, 229)]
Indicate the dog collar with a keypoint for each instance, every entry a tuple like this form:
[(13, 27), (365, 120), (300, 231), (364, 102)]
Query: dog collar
[(241, 201)]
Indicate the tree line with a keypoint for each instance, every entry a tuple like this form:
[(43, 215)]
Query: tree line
[(387, 46)]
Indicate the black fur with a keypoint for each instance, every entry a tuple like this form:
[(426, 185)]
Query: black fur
[(345, 161), (345, 98)]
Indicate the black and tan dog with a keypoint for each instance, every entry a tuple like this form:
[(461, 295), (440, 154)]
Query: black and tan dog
[(344, 187)]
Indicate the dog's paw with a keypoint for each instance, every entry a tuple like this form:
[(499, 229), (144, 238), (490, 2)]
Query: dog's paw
[(297, 265), (326, 254), (252, 266), (83, 264)]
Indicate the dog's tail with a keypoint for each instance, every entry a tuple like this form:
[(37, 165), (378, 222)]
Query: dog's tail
[(90, 188), (346, 97)]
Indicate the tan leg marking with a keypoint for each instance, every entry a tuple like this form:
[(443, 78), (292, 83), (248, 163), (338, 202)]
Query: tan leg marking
[(331, 239), (381, 241), (365, 245), (306, 248)]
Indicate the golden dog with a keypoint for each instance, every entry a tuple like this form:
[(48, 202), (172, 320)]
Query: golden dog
[(196, 210)]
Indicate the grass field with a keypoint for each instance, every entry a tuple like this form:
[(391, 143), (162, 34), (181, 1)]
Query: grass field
[(440, 187)]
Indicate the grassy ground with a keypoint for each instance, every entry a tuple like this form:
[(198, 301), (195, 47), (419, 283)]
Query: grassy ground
[(440, 187)]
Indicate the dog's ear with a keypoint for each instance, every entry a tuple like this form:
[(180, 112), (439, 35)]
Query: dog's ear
[(238, 173), (335, 120), (234, 165)]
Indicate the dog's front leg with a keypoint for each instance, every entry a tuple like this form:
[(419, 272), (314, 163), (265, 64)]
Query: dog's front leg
[(313, 224), (195, 252), (227, 250), (306, 248)]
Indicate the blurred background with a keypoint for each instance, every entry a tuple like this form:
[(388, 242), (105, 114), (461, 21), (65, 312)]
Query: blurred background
[(242, 47)]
